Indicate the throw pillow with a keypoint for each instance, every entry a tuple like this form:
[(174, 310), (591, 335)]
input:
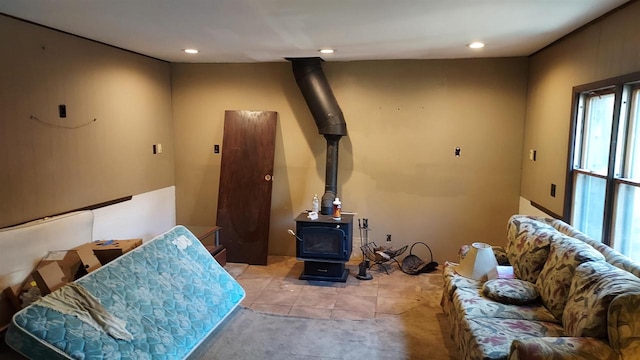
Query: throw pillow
[(510, 291), (554, 281), (501, 255), (594, 285), (528, 246)]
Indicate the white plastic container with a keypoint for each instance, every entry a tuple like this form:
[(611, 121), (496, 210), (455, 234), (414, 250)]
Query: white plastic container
[(315, 203), (337, 209)]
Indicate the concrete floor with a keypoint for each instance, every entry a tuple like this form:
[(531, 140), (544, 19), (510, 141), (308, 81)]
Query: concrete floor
[(275, 288)]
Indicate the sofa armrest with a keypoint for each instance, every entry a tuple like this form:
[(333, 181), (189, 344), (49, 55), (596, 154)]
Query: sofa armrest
[(453, 281), (546, 348), (623, 325)]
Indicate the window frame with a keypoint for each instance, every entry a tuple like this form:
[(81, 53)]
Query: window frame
[(620, 86)]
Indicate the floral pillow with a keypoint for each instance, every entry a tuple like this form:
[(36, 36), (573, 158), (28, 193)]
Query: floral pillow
[(594, 285), (554, 281), (510, 291), (501, 255), (528, 246)]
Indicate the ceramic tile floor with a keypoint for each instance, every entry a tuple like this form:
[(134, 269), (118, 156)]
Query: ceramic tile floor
[(275, 288)]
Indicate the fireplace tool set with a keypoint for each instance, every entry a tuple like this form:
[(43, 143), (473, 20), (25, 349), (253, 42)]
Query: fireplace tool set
[(364, 240), (373, 253)]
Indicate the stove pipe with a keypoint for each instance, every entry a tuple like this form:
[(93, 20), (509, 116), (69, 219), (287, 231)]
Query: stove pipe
[(327, 115)]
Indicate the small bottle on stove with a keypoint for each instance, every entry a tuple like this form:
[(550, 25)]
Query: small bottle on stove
[(337, 209), (315, 203)]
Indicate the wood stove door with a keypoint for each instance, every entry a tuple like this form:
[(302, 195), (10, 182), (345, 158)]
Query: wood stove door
[(244, 196)]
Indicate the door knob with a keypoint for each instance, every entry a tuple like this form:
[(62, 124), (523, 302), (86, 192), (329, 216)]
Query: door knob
[(268, 177)]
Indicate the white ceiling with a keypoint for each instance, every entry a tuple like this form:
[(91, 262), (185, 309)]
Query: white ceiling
[(269, 30)]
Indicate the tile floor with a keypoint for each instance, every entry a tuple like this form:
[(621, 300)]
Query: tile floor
[(275, 288)]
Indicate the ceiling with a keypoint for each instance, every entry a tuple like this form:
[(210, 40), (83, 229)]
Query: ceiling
[(269, 30)]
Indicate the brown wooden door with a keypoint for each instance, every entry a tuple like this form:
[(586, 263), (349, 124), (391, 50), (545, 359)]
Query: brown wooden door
[(244, 197)]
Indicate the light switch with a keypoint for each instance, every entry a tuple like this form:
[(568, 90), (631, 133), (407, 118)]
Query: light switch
[(532, 155), (159, 148)]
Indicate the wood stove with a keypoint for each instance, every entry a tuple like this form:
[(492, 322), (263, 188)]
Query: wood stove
[(325, 246)]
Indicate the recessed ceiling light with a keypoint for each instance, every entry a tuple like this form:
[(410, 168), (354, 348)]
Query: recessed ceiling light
[(476, 45), (327, 51), (191, 51)]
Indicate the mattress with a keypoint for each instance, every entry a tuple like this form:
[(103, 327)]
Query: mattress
[(170, 291)]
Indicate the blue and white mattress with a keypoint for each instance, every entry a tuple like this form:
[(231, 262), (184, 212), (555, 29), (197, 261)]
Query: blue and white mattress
[(170, 291)]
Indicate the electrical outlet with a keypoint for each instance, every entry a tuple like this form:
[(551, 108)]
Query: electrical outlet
[(154, 149), (159, 147), (553, 190), (216, 149), (62, 110), (388, 238)]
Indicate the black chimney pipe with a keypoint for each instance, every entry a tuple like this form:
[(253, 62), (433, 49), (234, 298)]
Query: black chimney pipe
[(328, 117)]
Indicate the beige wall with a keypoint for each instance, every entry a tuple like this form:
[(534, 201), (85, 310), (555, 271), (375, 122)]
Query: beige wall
[(46, 170), (397, 166), (607, 48)]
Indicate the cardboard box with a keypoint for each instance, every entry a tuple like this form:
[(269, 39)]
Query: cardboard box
[(89, 260), (107, 250), (60, 267), (49, 277), (74, 263), (12, 296)]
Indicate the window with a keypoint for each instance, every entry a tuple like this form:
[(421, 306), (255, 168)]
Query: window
[(604, 163)]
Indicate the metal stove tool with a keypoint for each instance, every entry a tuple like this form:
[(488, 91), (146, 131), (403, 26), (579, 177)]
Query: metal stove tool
[(364, 241)]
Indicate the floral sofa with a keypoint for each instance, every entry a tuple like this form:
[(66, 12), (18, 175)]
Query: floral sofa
[(587, 304)]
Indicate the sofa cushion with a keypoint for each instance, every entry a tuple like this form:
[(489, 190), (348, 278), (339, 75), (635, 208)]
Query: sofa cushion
[(623, 321), (554, 281), (528, 246), (612, 256), (510, 291), (491, 338), (594, 286), (470, 303), (547, 348)]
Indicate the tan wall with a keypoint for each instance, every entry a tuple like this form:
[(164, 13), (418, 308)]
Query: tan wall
[(46, 170), (607, 48), (397, 166)]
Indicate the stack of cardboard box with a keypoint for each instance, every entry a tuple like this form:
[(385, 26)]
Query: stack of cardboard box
[(60, 267)]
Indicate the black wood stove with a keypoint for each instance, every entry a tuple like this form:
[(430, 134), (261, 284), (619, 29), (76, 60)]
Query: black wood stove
[(324, 245)]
